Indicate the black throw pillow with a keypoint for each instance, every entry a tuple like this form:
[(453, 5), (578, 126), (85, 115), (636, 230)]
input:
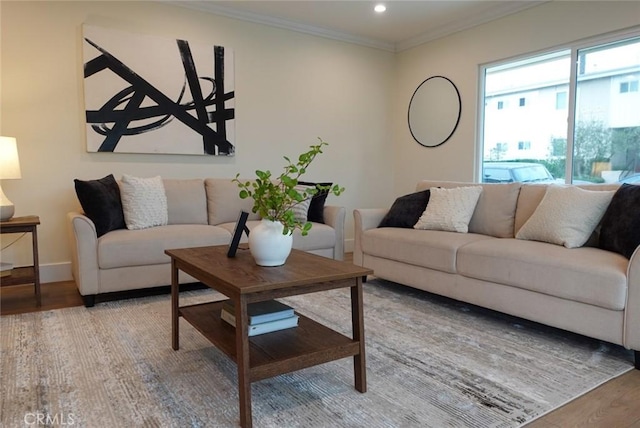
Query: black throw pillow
[(100, 200), (406, 210), (620, 231), (316, 208)]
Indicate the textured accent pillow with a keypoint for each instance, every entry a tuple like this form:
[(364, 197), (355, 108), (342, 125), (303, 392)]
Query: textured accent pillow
[(406, 210), (144, 202), (316, 208), (620, 230), (567, 215), (450, 209), (300, 211), (100, 201)]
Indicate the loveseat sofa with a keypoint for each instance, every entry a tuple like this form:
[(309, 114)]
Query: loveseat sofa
[(586, 289), (201, 212)]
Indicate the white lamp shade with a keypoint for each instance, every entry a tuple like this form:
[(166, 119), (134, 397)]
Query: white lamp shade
[(9, 162)]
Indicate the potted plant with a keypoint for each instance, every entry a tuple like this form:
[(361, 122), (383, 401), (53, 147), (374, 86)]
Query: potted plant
[(274, 199)]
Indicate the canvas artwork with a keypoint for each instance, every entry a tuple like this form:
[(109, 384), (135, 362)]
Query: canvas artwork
[(146, 94)]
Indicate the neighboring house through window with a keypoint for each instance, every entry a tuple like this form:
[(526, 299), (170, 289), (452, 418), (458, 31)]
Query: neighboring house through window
[(582, 105)]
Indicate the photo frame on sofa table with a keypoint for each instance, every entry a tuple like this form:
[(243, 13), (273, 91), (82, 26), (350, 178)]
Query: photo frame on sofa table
[(241, 226)]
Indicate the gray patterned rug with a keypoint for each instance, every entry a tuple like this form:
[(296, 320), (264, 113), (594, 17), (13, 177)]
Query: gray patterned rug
[(431, 362)]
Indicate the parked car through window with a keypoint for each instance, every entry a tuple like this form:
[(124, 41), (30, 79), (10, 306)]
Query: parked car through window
[(508, 172)]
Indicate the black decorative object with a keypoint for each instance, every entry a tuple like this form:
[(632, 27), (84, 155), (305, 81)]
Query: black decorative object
[(434, 111), (620, 231), (316, 208), (100, 201), (241, 226), (406, 210)]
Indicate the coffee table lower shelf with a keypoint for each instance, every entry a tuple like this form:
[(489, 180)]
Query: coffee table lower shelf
[(272, 354)]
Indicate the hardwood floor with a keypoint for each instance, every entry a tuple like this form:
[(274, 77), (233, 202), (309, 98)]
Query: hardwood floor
[(20, 299), (616, 404)]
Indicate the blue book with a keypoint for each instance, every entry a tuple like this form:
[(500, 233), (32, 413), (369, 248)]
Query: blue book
[(260, 312), (265, 327)]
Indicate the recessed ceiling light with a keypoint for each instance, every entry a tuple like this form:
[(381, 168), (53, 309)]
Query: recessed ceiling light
[(380, 8)]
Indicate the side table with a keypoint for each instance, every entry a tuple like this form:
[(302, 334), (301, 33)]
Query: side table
[(25, 274)]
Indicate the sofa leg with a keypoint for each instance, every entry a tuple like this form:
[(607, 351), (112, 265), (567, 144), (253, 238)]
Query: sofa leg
[(636, 354), (89, 300)]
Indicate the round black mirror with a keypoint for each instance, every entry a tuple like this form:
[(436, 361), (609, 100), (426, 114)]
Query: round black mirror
[(434, 111)]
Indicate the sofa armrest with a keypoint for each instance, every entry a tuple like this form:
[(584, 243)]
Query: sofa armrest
[(631, 335), (84, 253), (364, 219), (334, 216)]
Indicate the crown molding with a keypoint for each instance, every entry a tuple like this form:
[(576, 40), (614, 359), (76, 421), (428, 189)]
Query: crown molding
[(282, 23), (506, 8)]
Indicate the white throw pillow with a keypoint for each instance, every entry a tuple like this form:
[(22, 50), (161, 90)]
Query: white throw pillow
[(144, 202), (301, 210), (567, 215), (450, 209)]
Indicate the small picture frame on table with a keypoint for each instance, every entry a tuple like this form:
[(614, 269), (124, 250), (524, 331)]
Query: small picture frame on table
[(241, 226)]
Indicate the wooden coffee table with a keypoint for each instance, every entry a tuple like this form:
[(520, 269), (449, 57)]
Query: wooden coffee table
[(241, 280)]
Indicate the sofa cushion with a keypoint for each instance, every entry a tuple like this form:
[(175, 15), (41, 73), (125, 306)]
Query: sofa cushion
[(529, 198), (567, 215), (224, 203), (496, 209), (144, 202), (433, 249), (587, 275), (450, 209), (146, 246), (186, 201), (100, 201), (320, 236), (231, 227), (621, 222), (316, 208), (406, 210)]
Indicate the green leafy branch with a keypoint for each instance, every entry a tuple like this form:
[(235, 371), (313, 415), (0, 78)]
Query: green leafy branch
[(274, 199)]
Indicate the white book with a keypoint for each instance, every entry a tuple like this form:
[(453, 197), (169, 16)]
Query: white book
[(5, 269), (265, 327), (259, 312)]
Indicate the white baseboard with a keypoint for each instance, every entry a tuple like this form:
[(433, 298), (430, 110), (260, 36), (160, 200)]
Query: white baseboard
[(55, 272), (348, 245)]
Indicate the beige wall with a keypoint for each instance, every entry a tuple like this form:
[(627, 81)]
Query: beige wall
[(458, 57), (290, 89)]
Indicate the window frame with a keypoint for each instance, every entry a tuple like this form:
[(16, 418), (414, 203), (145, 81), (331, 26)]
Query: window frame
[(574, 47)]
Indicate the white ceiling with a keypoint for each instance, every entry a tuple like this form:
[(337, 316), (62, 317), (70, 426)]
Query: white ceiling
[(405, 23)]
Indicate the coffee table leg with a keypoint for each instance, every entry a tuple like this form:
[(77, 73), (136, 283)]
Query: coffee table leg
[(175, 291), (242, 353), (357, 320)]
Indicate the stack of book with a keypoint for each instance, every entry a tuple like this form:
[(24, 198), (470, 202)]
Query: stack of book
[(264, 317), (5, 269)]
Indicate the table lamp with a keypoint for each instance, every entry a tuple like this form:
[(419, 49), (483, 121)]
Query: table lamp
[(9, 169)]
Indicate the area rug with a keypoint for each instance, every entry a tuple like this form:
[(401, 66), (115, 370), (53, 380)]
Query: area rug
[(431, 362)]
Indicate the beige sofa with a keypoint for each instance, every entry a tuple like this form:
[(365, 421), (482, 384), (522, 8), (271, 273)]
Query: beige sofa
[(201, 212), (585, 290)]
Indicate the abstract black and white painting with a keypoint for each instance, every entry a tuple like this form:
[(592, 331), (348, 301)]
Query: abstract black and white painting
[(146, 94)]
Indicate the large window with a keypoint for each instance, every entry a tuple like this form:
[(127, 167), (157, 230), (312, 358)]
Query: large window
[(575, 111)]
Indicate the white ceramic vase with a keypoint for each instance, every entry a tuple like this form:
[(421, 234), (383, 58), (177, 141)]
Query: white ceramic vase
[(268, 246)]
